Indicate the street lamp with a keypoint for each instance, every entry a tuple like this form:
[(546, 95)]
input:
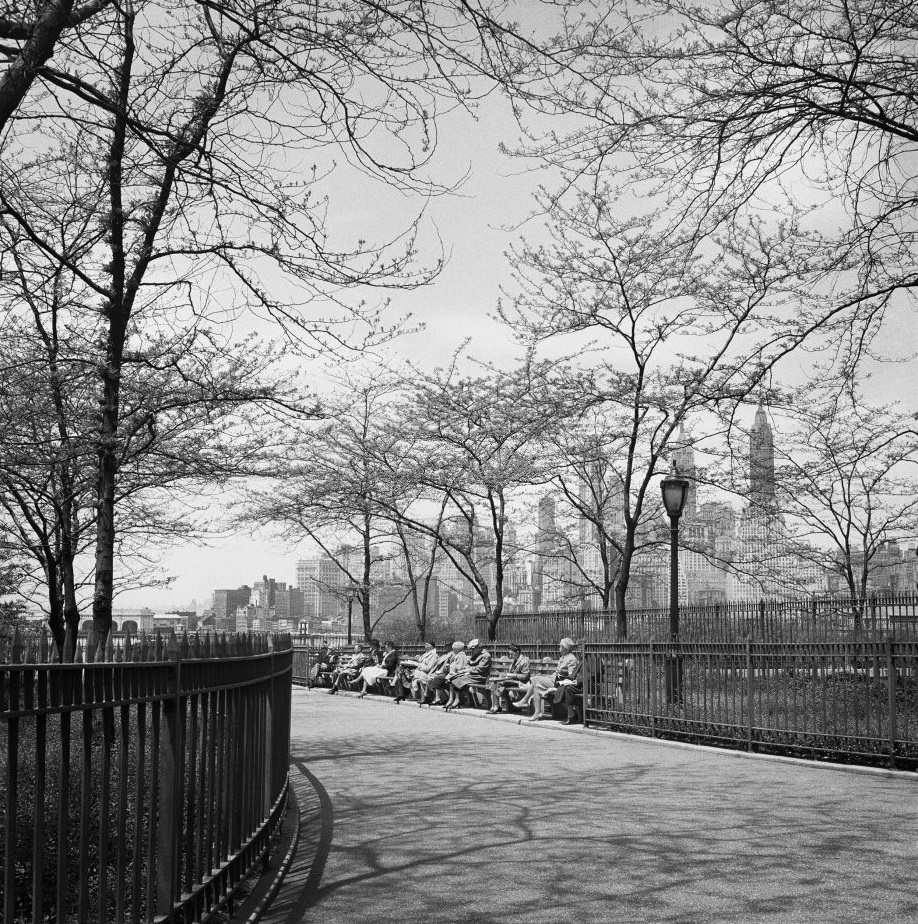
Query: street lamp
[(351, 594), (675, 491)]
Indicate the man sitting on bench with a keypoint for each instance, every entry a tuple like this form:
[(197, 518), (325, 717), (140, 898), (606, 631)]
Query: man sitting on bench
[(349, 669)]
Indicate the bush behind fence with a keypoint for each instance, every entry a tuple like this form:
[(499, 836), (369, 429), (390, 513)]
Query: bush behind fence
[(851, 700), (143, 786)]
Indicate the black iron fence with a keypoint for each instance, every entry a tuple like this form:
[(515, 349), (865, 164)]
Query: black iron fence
[(811, 619), (144, 786), (854, 700)]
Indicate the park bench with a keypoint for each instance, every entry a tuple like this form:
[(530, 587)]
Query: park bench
[(542, 669)]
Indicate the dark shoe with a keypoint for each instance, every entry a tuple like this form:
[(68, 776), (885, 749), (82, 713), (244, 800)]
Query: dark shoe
[(332, 690)]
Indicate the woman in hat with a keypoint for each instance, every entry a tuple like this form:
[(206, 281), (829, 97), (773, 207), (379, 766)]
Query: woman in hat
[(458, 670), (516, 677), (479, 670), (568, 668)]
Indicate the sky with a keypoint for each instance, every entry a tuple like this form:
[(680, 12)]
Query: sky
[(476, 225)]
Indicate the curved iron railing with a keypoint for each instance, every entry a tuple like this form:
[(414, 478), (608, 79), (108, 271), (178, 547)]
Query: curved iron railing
[(142, 787)]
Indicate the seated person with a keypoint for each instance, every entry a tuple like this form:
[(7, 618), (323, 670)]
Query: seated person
[(569, 692), (323, 664), (516, 677), (426, 663), (388, 662), (568, 670), (458, 676), (480, 662), (438, 681), (349, 669)]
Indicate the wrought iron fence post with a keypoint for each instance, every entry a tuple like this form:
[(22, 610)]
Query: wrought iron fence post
[(653, 694), (891, 679), (270, 720), (170, 795), (750, 680)]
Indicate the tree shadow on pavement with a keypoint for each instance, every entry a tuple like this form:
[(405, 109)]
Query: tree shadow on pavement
[(459, 821)]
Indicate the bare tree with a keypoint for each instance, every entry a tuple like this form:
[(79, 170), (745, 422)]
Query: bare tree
[(192, 419), (473, 443), (581, 453), (846, 484), (325, 483), (421, 554)]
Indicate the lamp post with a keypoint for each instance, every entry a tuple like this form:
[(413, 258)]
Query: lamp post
[(351, 597), (675, 491)]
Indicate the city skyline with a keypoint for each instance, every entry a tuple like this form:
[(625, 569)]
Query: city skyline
[(715, 535)]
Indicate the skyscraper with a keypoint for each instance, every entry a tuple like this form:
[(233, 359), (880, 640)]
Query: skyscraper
[(684, 457), (226, 602), (545, 541), (761, 462), (321, 582)]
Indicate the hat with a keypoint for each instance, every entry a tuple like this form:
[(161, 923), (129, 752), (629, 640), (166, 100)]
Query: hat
[(458, 646), (515, 646), (567, 643), (473, 643)]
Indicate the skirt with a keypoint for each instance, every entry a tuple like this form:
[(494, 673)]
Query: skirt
[(372, 674)]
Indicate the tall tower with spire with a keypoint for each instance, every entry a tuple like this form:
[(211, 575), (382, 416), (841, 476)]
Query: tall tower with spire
[(761, 462), (684, 457)]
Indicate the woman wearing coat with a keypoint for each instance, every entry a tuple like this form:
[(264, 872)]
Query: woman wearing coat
[(386, 663)]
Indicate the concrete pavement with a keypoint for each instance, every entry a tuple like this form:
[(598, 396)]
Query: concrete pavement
[(410, 815)]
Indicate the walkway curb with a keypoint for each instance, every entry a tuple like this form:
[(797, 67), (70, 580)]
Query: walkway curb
[(272, 887), (550, 726)]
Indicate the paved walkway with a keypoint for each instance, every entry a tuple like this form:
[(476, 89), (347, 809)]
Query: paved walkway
[(410, 815)]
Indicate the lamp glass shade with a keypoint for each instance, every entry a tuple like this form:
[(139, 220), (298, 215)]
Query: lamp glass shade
[(675, 492)]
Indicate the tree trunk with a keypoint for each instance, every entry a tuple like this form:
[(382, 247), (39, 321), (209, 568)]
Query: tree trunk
[(492, 620), (365, 591), (71, 610), (621, 587), (105, 485), (55, 605)]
